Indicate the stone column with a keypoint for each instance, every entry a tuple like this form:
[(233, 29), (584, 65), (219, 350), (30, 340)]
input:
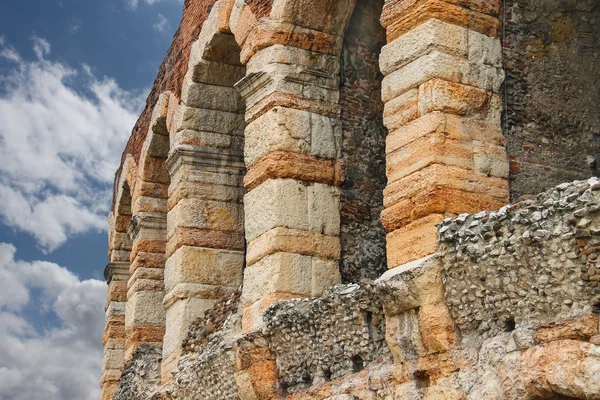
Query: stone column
[(145, 314), (445, 150), (205, 247), (292, 153), (116, 275)]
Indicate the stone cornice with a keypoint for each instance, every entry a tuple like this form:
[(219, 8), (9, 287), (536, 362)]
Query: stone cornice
[(206, 159)]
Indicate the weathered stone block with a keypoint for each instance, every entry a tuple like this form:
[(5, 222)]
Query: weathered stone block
[(212, 97), (144, 309), (414, 241), (286, 129), (431, 35), (179, 317), (201, 119), (205, 214), (204, 266), (276, 203)]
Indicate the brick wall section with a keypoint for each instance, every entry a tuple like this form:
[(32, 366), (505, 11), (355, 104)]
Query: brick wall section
[(552, 92), (363, 237), (171, 72), (260, 8)]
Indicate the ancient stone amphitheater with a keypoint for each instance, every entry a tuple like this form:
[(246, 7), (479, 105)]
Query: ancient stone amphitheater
[(362, 199)]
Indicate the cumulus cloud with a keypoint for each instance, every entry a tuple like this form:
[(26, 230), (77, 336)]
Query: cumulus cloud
[(59, 146), (61, 361), (162, 24)]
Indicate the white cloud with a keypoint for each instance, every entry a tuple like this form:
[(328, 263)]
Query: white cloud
[(59, 147), (62, 362), (162, 24), (134, 3)]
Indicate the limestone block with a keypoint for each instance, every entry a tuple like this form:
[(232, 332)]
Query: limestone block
[(279, 272), (401, 17), (115, 308), (286, 165), (189, 188), (120, 256), (438, 177), (276, 203), (437, 199), (453, 98), (114, 356), (201, 119), (205, 214), (147, 260), (437, 327), (308, 13), (414, 241), (179, 317), (204, 266), (431, 35), (401, 110), (484, 50), (324, 209), (280, 54), (325, 273), (293, 241), (210, 72), (156, 145), (550, 370), (307, 82), (442, 66), (149, 204), (145, 309), (201, 138), (453, 127), (577, 328), (120, 241), (153, 169), (189, 176), (212, 97), (433, 149), (412, 285), (490, 160), (403, 337)]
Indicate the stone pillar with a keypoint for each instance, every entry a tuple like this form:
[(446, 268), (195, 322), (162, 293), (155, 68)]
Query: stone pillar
[(144, 312), (205, 247), (445, 150), (292, 153), (116, 275)]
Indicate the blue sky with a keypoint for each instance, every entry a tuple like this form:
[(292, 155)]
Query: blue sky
[(74, 75)]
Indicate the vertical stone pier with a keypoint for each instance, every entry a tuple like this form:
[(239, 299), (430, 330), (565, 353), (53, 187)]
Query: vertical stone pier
[(116, 275), (445, 151), (292, 153), (205, 248)]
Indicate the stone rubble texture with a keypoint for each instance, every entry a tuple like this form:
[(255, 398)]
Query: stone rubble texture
[(314, 204)]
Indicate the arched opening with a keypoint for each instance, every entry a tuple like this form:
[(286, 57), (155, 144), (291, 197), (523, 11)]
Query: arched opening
[(116, 275)]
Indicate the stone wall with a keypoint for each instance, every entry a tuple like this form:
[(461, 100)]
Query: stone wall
[(503, 310), (363, 147), (552, 92)]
